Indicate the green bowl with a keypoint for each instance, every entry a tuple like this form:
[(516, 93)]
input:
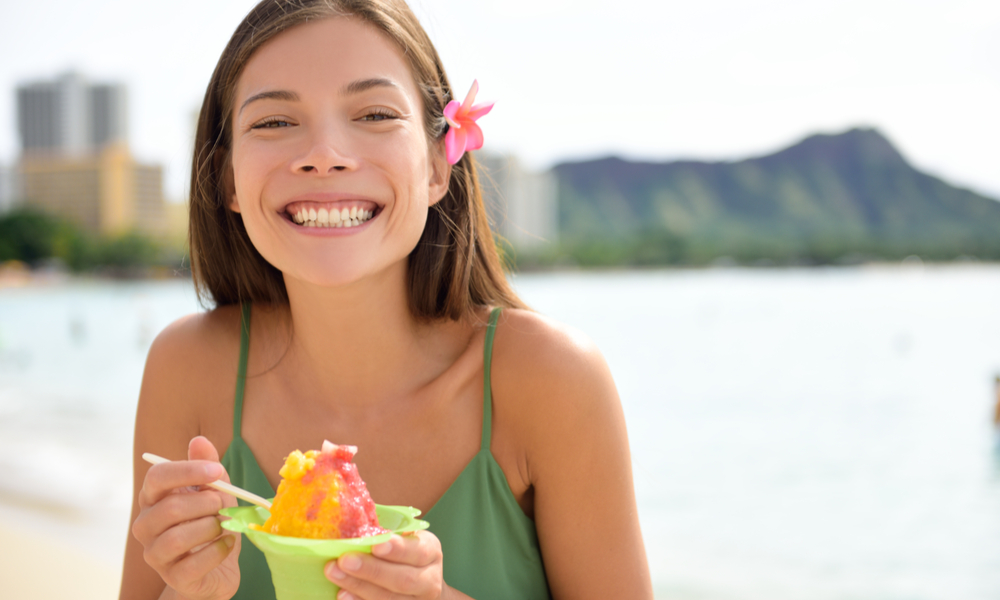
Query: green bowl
[(297, 563)]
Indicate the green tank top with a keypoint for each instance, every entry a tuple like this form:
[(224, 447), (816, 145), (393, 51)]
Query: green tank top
[(490, 547)]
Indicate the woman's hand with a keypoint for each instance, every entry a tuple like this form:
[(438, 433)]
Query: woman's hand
[(409, 566), (178, 526)]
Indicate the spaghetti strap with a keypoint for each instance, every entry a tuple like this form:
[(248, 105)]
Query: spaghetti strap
[(241, 377), (487, 394)]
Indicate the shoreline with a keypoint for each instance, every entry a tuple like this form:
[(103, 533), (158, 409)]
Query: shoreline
[(20, 279)]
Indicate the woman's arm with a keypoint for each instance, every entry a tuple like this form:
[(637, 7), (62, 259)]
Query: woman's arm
[(171, 514), (556, 392)]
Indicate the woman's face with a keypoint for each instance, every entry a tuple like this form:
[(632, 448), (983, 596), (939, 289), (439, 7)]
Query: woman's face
[(333, 174)]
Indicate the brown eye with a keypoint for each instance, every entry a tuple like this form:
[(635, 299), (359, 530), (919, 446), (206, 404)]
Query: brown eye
[(271, 124), (379, 115)]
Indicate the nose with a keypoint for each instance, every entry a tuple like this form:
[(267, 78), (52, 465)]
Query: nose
[(328, 151)]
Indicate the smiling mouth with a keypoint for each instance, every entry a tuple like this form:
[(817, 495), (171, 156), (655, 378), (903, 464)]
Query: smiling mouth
[(313, 214)]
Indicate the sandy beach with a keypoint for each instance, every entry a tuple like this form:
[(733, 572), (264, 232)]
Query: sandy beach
[(38, 566), (64, 506)]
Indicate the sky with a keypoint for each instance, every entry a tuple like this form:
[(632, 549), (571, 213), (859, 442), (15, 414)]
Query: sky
[(578, 79)]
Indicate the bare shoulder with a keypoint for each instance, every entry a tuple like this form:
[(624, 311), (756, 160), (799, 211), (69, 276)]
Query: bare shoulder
[(198, 335), (534, 336), (191, 365), (549, 361), (552, 384), (197, 345)]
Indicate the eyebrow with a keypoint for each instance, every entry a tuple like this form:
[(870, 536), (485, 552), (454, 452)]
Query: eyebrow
[(355, 87), (363, 85), (271, 95)]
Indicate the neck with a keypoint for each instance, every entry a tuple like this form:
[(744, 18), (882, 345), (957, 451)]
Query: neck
[(359, 341)]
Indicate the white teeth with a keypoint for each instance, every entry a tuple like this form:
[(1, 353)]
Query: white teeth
[(323, 217)]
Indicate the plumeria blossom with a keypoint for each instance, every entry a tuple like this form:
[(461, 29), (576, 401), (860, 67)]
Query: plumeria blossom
[(463, 133)]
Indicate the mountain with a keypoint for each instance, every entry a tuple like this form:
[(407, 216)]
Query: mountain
[(825, 196)]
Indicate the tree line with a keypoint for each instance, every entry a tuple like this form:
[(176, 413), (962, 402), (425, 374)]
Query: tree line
[(38, 238)]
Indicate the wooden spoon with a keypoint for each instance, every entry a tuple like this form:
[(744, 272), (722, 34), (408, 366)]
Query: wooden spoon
[(220, 485)]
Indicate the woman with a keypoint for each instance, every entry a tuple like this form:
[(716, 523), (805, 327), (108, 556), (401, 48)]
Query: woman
[(395, 332)]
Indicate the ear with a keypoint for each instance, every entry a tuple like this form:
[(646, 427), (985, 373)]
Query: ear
[(440, 172)]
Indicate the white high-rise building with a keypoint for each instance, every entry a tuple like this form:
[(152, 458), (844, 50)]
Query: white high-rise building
[(523, 205), (69, 116)]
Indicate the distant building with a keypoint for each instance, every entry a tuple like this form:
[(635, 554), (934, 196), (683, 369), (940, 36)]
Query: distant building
[(106, 193), (522, 204), (75, 162), (10, 188), (70, 117)]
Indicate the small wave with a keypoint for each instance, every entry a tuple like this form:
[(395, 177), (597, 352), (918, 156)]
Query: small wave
[(53, 477)]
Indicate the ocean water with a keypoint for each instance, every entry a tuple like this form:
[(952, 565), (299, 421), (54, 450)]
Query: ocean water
[(820, 433)]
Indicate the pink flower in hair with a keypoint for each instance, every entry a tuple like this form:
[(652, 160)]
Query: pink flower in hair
[(463, 133)]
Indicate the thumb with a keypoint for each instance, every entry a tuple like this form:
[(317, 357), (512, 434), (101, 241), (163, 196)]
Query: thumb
[(199, 448)]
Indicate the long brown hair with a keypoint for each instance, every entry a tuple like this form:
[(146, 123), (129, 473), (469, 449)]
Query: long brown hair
[(455, 265)]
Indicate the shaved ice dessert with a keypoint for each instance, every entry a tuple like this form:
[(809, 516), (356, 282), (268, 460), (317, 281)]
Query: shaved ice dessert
[(321, 496), (321, 511)]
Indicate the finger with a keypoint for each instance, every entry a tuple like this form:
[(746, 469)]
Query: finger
[(174, 510), (200, 448), (197, 565), (419, 549), (357, 589), (352, 588), (161, 480), (182, 539), (362, 573)]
